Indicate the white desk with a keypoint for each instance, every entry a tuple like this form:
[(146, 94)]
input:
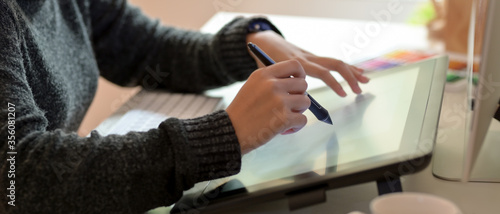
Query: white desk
[(327, 37)]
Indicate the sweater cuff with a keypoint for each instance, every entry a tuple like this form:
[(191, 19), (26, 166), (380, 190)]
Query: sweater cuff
[(232, 49), (211, 148)]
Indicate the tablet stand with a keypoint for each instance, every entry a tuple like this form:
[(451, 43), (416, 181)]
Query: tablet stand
[(385, 186)]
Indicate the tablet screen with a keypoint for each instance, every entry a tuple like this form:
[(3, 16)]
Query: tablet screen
[(364, 126)]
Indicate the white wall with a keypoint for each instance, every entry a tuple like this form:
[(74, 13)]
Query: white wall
[(192, 14)]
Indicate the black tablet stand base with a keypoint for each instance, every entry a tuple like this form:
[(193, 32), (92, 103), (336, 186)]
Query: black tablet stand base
[(385, 186)]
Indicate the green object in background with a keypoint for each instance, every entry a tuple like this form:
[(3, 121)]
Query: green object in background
[(475, 79), (423, 14), (451, 77)]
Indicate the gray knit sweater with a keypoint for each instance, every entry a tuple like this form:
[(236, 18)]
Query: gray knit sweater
[(51, 54)]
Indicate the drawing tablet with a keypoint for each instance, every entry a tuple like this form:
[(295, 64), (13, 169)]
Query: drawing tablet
[(387, 131)]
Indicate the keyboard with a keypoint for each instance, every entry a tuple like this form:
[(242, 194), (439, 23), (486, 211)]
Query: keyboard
[(147, 109)]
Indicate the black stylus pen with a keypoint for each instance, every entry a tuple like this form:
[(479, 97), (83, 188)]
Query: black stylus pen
[(318, 110)]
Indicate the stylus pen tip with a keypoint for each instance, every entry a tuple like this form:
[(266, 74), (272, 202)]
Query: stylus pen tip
[(328, 120)]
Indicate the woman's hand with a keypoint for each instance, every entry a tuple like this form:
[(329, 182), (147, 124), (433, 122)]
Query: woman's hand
[(279, 49), (269, 103)]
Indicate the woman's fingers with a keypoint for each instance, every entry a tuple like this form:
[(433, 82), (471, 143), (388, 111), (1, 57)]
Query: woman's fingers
[(287, 69), (292, 85), (322, 73), (279, 49), (271, 102), (299, 121), (342, 68), (359, 74), (297, 103)]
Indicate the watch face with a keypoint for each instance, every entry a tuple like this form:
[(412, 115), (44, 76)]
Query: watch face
[(258, 25)]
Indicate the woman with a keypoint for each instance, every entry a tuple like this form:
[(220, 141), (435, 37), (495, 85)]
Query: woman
[(51, 54)]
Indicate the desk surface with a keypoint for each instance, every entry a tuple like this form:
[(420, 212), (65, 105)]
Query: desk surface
[(470, 197)]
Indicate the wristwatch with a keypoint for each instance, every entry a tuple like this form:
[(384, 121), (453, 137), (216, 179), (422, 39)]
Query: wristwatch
[(258, 25)]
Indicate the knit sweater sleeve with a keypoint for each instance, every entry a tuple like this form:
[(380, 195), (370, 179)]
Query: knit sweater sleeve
[(54, 171), (134, 50)]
